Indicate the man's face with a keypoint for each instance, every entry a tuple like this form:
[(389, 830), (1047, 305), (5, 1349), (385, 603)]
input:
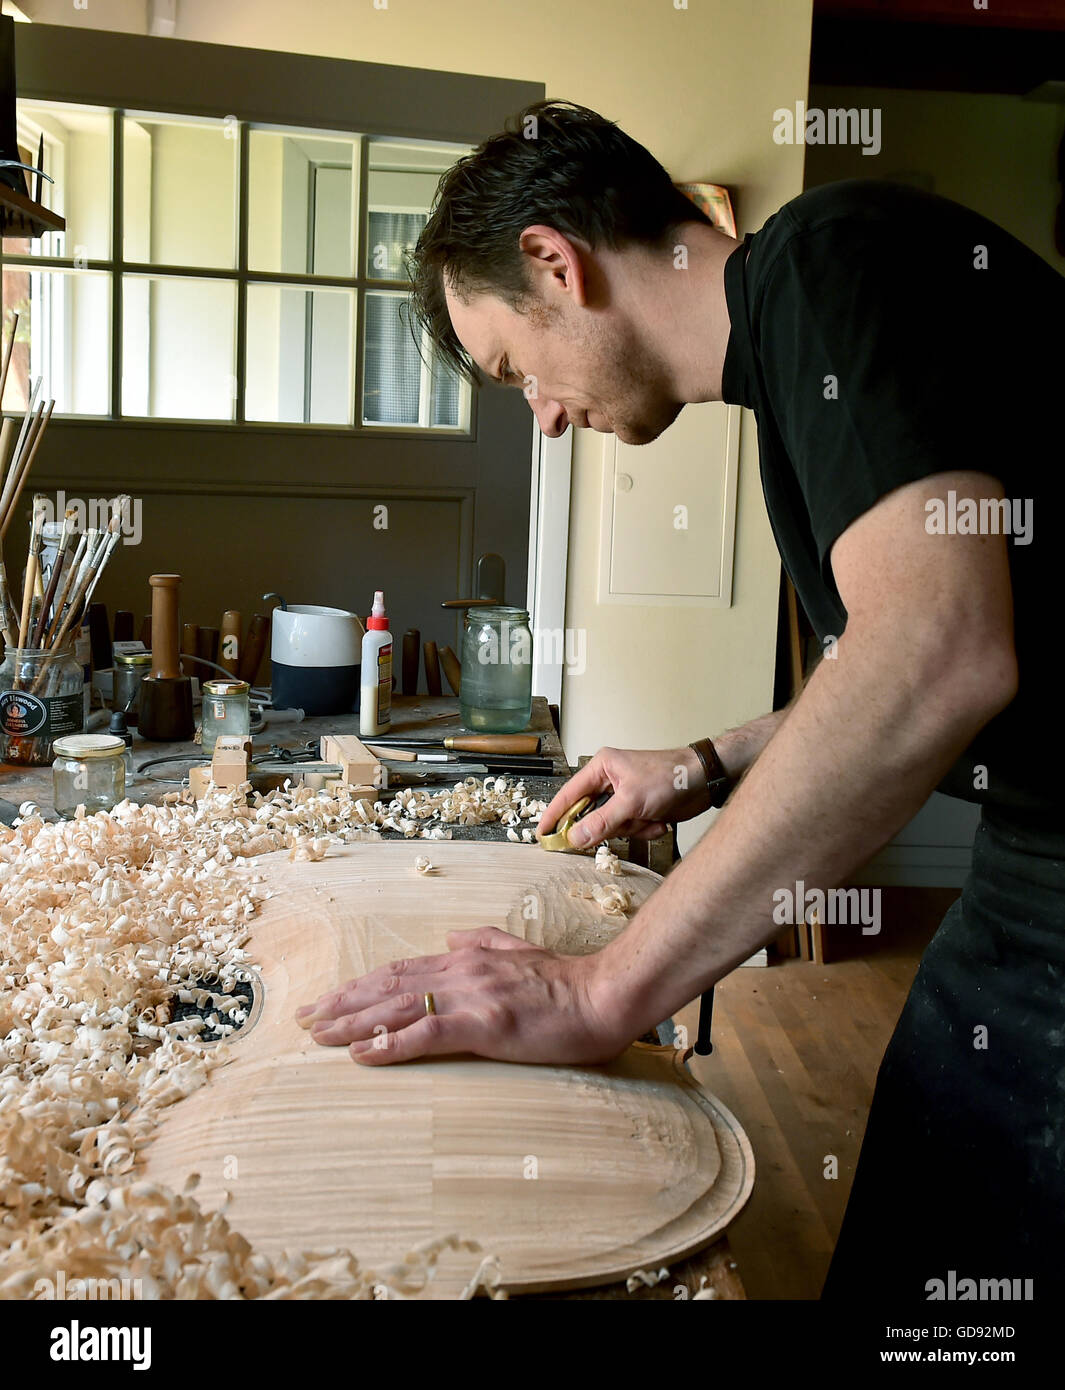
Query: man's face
[(575, 366)]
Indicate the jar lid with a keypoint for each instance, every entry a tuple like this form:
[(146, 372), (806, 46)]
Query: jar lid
[(223, 687), (133, 659), (499, 613), (88, 746)]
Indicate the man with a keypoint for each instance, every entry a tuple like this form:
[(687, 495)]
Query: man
[(897, 352)]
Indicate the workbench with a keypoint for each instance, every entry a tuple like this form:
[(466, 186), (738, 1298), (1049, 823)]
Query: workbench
[(417, 718)]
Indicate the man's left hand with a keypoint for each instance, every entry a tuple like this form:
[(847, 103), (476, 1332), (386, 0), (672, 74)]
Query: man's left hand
[(495, 996)]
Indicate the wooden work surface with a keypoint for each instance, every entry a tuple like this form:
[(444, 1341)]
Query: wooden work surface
[(413, 716), (418, 717), (570, 1175)]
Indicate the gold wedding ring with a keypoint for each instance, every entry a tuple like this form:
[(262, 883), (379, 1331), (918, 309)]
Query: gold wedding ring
[(430, 1005)]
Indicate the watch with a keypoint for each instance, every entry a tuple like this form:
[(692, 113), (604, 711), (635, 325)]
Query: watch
[(717, 780)]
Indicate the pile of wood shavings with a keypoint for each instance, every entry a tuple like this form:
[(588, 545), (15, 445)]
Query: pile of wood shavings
[(103, 920)]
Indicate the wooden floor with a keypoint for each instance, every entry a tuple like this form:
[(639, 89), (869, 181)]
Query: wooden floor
[(796, 1051)]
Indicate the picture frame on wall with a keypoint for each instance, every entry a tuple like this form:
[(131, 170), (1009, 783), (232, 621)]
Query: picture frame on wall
[(714, 200)]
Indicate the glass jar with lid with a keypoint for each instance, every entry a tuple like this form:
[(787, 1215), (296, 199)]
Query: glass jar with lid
[(89, 770), (42, 697), (130, 670), (226, 710), (497, 655)]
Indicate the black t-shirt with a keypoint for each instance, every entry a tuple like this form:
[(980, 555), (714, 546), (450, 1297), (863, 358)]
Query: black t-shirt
[(881, 334)]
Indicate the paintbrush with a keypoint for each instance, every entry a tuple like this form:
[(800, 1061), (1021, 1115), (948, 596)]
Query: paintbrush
[(32, 561), (53, 579)]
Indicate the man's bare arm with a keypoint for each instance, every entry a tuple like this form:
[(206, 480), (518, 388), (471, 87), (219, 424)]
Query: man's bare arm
[(927, 658)]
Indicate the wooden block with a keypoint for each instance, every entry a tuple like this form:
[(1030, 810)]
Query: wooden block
[(205, 775), (240, 743), (229, 774), (229, 757), (358, 765), (200, 780), (333, 784)]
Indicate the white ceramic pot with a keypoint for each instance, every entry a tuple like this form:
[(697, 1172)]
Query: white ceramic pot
[(315, 654)]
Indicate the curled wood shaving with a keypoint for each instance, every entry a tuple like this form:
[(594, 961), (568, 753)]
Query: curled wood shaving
[(308, 849), (104, 921), (613, 900), (606, 861), (645, 1278), (423, 865)]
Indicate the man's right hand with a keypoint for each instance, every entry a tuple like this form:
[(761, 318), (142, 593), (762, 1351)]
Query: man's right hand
[(651, 788)]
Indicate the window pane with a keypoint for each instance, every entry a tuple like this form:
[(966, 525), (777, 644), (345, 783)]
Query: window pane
[(402, 179), (179, 184), (301, 203), (448, 399), (77, 154), (299, 359), (178, 347), (64, 336), (391, 364)]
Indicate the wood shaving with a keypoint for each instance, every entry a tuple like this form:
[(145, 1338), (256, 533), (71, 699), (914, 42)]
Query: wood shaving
[(308, 849), (606, 861), (613, 900), (424, 865), (105, 921), (645, 1278)]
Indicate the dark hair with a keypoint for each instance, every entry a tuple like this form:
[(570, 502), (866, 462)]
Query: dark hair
[(554, 163)]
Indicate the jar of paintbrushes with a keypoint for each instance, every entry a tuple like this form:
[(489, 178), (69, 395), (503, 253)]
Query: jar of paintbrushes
[(41, 680), (41, 699)]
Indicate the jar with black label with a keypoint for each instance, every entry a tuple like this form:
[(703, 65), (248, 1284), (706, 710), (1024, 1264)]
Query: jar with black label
[(90, 771), (41, 699)]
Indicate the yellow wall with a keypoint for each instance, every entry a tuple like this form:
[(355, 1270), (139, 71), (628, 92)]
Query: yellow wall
[(698, 86)]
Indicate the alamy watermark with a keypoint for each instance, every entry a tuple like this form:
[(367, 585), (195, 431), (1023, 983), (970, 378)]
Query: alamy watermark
[(95, 513), (964, 1290), (985, 516), (514, 644), (837, 126), (846, 907)]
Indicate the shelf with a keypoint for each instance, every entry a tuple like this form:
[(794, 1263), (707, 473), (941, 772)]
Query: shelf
[(21, 216)]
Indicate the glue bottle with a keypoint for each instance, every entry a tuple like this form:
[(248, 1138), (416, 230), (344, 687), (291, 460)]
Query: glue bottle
[(375, 705)]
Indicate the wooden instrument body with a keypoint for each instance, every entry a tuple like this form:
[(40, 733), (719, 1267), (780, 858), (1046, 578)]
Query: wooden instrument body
[(570, 1175)]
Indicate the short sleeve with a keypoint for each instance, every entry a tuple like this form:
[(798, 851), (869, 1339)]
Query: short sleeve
[(870, 349)]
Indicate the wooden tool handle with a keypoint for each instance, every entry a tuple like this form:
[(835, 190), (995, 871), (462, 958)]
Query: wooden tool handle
[(450, 662), (412, 652), (165, 626), (254, 646), (229, 648), (494, 743), (207, 650), (432, 669)]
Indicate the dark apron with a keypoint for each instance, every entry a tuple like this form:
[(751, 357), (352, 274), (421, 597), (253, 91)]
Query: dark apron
[(963, 1164)]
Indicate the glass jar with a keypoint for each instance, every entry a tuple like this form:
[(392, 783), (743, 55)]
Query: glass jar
[(89, 770), (42, 697), (496, 693), (226, 710), (130, 670)]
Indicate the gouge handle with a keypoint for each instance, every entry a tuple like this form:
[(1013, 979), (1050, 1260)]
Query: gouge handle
[(494, 743)]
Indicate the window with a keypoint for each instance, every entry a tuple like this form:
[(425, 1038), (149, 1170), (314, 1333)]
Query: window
[(228, 281)]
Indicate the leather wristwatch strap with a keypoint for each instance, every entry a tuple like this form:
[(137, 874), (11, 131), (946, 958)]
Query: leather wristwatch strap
[(717, 781)]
